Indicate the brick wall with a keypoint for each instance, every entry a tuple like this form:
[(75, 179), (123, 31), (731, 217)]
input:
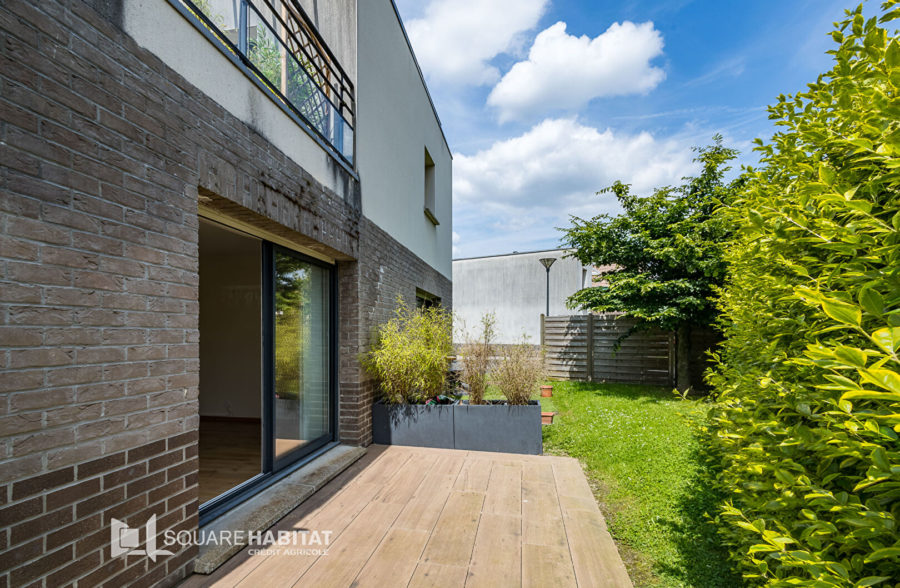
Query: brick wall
[(57, 526), (386, 269), (103, 154)]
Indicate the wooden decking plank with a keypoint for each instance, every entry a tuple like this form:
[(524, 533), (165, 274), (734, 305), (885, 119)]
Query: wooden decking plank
[(403, 484), (453, 537), (432, 575), (570, 479), (577, 506), (352, 549), (394, 560), (423, 510), (594, 555), (387, 463), (335, 516), (474, 475), (497, 557), (278, 570), (544, 566), (504, 492), (448, 464), (541, 516), (539, 472)]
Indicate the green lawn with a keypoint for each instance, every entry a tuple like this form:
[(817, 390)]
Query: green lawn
[(637, 447)]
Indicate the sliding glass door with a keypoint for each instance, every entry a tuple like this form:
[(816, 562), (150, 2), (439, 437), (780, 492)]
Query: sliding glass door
[(267, 347), (303, 413)]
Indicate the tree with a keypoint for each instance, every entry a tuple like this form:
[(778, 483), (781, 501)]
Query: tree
[(667, 249)]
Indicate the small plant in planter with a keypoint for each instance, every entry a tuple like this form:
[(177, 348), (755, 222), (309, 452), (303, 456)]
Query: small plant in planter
[(410, 361), (519, 373), (410, 357), (475, 358)]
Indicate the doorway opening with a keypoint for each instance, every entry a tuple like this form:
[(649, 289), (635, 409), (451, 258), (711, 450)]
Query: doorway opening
[(230, 359), (267, 363)]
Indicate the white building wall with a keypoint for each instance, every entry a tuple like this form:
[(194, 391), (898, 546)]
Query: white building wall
[(161, 29), (395, 124), (514, 288)]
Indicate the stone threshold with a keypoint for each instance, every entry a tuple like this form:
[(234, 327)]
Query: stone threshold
[(268, 506)]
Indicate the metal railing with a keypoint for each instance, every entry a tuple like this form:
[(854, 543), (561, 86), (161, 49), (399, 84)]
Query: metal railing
[(279, 44)]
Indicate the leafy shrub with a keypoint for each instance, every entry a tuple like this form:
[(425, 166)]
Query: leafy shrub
[(475, 357), (808, 382), (519, 372), (410, 357)]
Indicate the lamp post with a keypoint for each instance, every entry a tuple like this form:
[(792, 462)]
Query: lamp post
[(547, 262)]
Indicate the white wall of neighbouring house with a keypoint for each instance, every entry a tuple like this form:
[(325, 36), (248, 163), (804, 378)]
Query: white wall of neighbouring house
[(514, 288), (396, 123)]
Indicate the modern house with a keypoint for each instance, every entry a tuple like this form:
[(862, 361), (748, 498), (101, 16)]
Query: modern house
[(207, 207), (515, 288)]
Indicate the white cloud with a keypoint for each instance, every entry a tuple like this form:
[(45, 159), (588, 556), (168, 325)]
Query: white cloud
[(455, 40), (513, 194), (564, 72)]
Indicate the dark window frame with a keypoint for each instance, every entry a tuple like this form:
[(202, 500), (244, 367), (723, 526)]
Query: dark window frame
[(430, 190)]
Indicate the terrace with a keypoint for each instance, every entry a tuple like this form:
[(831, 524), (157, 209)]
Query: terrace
[(406, 516)]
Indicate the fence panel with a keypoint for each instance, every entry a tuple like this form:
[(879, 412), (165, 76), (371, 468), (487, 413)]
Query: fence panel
[(583, 348)]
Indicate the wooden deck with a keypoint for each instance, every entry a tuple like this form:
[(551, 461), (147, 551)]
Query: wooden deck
[(404, 516)]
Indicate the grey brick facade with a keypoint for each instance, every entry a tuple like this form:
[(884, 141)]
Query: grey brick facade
[(104, 154)]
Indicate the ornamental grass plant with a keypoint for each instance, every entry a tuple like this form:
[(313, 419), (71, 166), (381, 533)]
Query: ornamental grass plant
[(411, 354), (475, 358), (519, 372)]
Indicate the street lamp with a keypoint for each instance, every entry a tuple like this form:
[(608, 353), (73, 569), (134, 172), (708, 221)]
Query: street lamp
[(547, 262)]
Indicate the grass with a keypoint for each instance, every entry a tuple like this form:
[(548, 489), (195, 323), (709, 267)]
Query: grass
[(637, 446)]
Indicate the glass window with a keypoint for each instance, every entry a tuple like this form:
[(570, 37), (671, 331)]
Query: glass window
[(302, 413)]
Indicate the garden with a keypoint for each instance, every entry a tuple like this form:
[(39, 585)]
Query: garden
[(788, 472)]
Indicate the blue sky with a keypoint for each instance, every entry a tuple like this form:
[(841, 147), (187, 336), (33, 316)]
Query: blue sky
[(546, 102)]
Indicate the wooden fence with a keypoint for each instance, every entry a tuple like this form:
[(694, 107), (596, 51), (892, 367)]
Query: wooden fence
[(582, 347)]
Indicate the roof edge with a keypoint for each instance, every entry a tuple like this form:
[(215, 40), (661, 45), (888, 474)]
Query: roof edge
[(421, 76), (559, 249)]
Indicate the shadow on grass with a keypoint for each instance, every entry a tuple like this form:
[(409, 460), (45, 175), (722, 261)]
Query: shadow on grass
[(704, 560), (693, 555), (613, 390)]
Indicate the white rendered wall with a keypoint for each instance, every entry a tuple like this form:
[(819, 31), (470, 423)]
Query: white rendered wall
[(514, 287), (162, 30), (395, 124)]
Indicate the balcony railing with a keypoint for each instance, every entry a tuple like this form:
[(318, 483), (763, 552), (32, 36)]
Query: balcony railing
[(281, 47)]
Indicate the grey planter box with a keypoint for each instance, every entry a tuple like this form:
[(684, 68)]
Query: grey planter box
[(498, 427), (490, 427), (418, 425)]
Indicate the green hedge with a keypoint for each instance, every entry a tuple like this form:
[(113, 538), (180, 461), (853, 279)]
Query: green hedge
[(808, 380)]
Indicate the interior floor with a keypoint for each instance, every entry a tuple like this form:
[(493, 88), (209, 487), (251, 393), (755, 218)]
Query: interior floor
[(230, 453)]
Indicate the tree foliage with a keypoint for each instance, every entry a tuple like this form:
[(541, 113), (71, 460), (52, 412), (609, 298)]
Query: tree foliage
[(809, 376), (667, 248)]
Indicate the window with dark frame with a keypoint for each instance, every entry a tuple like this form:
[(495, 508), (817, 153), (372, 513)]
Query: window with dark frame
[(429, 189), (425, 300)]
